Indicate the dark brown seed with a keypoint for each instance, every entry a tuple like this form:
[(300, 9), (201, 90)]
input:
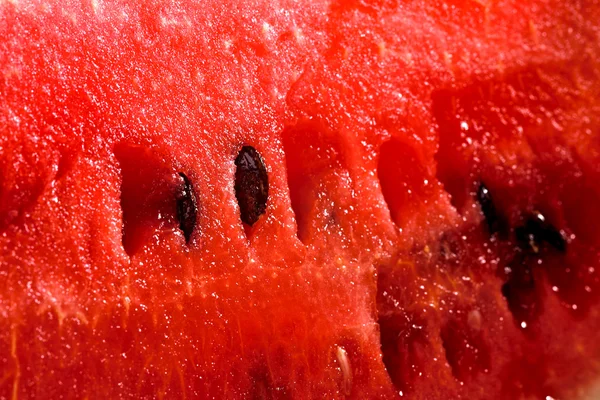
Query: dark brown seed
[(487, 208), (187, 208), (251, 184), (538, 231), (551, 235)]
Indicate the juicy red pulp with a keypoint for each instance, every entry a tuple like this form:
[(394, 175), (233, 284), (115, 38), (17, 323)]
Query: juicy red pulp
[(358, 199), (524, 262)]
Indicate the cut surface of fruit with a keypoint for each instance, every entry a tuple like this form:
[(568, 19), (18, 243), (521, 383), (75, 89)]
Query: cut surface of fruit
[(363, 199)]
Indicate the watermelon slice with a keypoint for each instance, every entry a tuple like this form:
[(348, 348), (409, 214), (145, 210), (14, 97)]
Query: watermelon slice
[(278, 199)]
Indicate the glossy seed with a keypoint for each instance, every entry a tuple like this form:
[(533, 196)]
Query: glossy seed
[(187, 208), (251, 185), (554, 237), (487, 208), (538, 231)]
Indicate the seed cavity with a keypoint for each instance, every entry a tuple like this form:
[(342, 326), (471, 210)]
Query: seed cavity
[(536, 231), (148, 186), (187, 208), (533, 238), (484, 198), (521, 294), (466, 347), (313, 158), (251, 184), (403, 178)]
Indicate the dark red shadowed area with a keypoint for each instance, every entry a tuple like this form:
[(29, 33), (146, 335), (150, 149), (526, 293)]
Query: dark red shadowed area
[(313, 158), (149, 192)]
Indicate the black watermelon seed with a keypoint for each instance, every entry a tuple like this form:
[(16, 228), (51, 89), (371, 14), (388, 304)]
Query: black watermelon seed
[(551, 235), (187, 208), (487, 208), (538, 231), (251, 184)]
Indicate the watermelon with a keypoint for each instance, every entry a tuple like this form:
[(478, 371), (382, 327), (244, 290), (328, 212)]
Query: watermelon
[(257, 199)]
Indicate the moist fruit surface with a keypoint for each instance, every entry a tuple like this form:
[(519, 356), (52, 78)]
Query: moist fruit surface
[(299, 199)]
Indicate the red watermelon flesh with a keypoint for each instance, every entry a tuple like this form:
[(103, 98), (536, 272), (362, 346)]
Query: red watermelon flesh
[(430, 228)]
